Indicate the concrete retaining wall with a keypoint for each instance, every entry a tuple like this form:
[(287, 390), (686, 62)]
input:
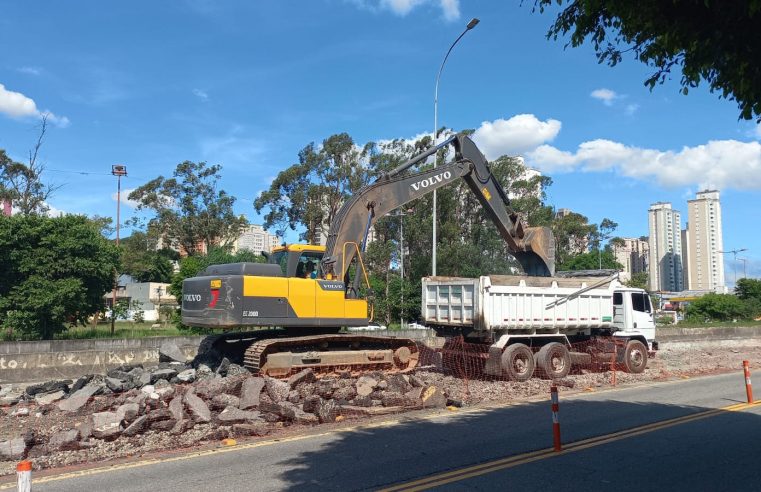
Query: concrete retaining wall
[(668, 334), (69, 359)]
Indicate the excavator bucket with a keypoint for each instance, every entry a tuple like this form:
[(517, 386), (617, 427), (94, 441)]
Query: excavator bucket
[(538, 252)]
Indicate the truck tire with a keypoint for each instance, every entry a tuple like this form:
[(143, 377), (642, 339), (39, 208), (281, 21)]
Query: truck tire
[(635, 357), (553, 361), (518, 362)]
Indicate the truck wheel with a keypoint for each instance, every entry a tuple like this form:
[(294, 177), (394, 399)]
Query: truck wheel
[(635, 357), (553, 360), (518, 362)]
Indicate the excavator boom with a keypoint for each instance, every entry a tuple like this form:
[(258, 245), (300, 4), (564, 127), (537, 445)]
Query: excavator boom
[(533, 248)]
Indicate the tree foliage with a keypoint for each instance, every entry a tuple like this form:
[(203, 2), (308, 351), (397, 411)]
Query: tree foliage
[(591, 261), (709, 41), (54, 273), (717, 307), (748, 288), (21, 183), (143, 262), (189, 208), (638, 280), (310, 192)]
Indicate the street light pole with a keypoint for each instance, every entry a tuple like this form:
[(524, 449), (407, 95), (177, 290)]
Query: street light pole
[(117, 170), (473, 22), (744, 260), (734, 261)]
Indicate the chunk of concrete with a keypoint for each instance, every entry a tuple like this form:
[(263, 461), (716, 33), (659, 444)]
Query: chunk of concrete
[(128, 412), (366, 385), (166, 374), (48, 387), (253, 429), (250, 392), (66, 440), (77, 400), (49, 398), (223, 400), (327, 411), (13, 449), (303, 376), (169, 351), (136, 427), (284, 409), (175, 407), (187, 376), (197, 407), (108, 431), (277, 390), (433, 397), (231, 415)]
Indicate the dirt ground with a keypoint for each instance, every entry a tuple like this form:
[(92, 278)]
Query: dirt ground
[(673, 361)]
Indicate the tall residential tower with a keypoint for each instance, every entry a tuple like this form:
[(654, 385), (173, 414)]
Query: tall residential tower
[(705, 262), (665, 245)]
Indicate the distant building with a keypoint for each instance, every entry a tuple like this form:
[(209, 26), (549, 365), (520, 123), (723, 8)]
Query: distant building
[(704, 261), (141, 296), (665, 247), (633, 254), (255, 238)]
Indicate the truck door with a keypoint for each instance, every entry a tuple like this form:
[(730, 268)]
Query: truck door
[(642, 312), (619, 317)]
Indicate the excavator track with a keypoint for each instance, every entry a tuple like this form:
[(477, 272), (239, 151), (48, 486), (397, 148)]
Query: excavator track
[(330, 354)]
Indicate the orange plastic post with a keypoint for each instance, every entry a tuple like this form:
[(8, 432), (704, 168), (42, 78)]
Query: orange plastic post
[(748, 386), (555, 420), (24, 476)]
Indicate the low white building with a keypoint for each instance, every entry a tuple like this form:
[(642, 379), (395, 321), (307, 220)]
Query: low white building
[(145, 296)]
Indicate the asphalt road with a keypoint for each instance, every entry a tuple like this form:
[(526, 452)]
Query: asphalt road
[(486, 450)]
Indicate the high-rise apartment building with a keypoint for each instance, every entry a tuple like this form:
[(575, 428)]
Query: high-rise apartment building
[(254, 238), (665, 245), (633, 254), (705, 262)]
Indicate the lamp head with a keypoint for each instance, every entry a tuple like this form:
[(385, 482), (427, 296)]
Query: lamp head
[(473, 23)]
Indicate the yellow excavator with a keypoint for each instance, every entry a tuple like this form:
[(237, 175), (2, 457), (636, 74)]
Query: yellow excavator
[(307, 293)]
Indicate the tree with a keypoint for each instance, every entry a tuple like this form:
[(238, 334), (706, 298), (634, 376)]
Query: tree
[(638, 280), (311, 192), (711, 41), (572, 232), (716, 307), (21, 184), (54, 273), (142, 262), (189, 208), (748, 288), (591, 261)]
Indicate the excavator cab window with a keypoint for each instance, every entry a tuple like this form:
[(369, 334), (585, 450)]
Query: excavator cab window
[(309, 264), (280, 258)]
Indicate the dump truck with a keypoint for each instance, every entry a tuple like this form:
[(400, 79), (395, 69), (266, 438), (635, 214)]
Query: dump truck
[(297, 303), (537, 323)]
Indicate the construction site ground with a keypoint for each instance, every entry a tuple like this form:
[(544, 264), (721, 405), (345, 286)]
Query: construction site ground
[(38, 423)]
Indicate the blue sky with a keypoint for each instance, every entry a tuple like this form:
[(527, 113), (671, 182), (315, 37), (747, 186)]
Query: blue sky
[(248, 84)]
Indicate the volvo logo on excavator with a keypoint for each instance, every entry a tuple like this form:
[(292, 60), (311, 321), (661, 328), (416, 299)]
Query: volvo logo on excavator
[(191, 297), (425, 183)]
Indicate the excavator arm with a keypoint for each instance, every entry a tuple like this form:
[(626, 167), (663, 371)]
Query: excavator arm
[(533, 247)]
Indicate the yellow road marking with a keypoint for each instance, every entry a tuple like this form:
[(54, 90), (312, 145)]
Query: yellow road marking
[(512, 461)]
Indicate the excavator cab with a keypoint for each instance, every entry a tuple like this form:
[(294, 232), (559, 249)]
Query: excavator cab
[(298, 260)]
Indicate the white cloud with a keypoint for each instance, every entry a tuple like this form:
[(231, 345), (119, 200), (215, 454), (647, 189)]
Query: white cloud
[(631, 109), (17, 105), (30, 70), (517, 135), (123, 198), (718, 164), (607, 96), (203, 95), (449, 8)]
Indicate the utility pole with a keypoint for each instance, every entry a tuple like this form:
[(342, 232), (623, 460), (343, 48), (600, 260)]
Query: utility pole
[(117, 170), (159, 291), (745, 261)]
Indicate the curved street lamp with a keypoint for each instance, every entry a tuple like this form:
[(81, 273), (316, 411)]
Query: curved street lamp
[(473, 22)]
